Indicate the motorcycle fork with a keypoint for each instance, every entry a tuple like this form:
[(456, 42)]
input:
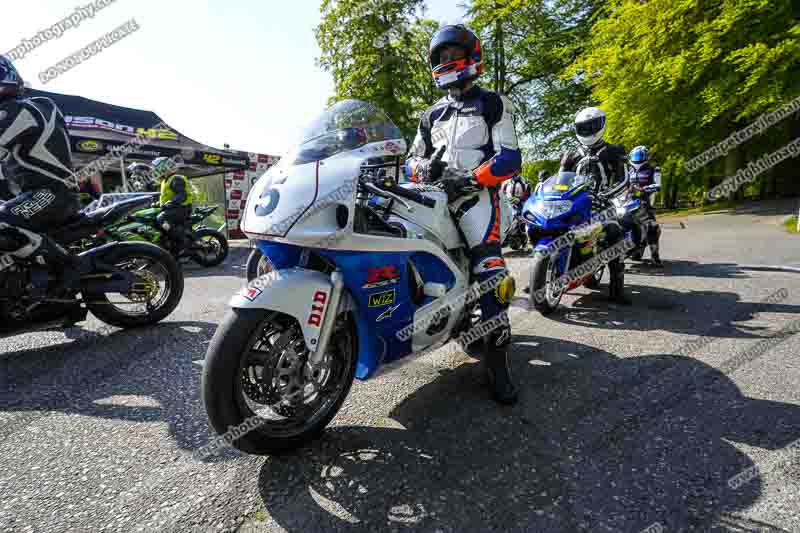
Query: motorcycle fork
[(317, 355)]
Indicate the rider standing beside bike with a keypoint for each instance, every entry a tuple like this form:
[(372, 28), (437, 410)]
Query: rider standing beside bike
[(476, 128), (517, 191), (38, 175), (590, 127), (643, 176), (175, 202)]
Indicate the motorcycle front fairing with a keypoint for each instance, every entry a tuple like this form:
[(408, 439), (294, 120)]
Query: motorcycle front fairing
[(304, 211), (557, 205)]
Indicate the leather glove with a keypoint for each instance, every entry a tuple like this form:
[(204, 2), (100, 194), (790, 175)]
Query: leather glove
[(431, 170), (458, 186)]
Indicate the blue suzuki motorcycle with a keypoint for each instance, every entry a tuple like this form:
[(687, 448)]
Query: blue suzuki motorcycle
[(560, 228)]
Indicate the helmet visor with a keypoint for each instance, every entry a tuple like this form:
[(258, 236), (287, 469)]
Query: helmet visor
[(639, 156), (590, 127)]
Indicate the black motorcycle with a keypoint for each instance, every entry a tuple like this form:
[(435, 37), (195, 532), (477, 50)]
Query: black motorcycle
[(126, 284)]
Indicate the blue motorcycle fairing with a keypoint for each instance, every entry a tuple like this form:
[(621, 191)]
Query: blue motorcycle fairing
[(281, 255), (633, 204), (384, 306), (385, 309), (579, 213)]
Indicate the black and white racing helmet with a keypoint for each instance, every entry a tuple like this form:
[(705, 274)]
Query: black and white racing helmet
[(590, 125)]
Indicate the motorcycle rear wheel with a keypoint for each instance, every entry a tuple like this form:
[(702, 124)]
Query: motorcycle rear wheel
[(153, 267), (214, 247)]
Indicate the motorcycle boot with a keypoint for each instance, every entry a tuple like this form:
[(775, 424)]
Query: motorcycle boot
[(653, 235), (616, 283), (497, 364)]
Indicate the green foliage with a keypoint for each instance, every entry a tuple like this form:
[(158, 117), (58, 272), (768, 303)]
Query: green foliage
[(676, 75), (527, 46), (531, 169), (680, 76), (377, 52)]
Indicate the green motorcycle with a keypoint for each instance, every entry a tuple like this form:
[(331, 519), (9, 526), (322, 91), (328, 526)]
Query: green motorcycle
[(208, 246)]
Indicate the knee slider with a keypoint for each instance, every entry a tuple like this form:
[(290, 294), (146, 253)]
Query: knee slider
[(505, 290)]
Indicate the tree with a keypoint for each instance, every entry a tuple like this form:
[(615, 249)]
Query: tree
[(682, 76), (373, 50), (528, 45)]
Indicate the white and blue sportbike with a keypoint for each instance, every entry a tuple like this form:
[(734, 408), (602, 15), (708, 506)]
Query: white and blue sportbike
[(360, 267)]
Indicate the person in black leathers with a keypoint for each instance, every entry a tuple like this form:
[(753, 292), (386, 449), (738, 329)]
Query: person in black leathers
[(36, 175), (609, 176)]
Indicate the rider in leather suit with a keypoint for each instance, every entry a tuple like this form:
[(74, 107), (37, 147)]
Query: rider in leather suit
[(590, 126), (644, 175), (175, 202), (37, 176), (474, 129), (517, 190)]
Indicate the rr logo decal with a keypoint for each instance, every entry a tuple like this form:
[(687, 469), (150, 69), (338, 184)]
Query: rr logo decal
[(214, 159), (382, 298), (317, 308), (378, 277)]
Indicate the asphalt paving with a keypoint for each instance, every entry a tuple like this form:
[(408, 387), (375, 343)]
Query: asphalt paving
[(678, 413)]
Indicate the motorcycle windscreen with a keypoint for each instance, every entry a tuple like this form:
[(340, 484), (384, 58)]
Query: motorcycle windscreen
[(282, 196)]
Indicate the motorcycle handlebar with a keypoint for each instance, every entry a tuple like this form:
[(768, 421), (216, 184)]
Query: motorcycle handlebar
[(410, 195), (391, 186)]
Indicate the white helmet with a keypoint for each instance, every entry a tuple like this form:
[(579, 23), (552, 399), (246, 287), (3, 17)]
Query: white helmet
[(590, 125)]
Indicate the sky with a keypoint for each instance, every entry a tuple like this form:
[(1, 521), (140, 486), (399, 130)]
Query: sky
[(240, 72)]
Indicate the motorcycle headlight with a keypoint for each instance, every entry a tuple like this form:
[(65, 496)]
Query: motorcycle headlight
[(552, 209)]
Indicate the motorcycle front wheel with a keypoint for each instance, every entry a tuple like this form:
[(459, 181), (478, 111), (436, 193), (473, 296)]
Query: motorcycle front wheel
[(259, 390), (544, 273), (257, 265)]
